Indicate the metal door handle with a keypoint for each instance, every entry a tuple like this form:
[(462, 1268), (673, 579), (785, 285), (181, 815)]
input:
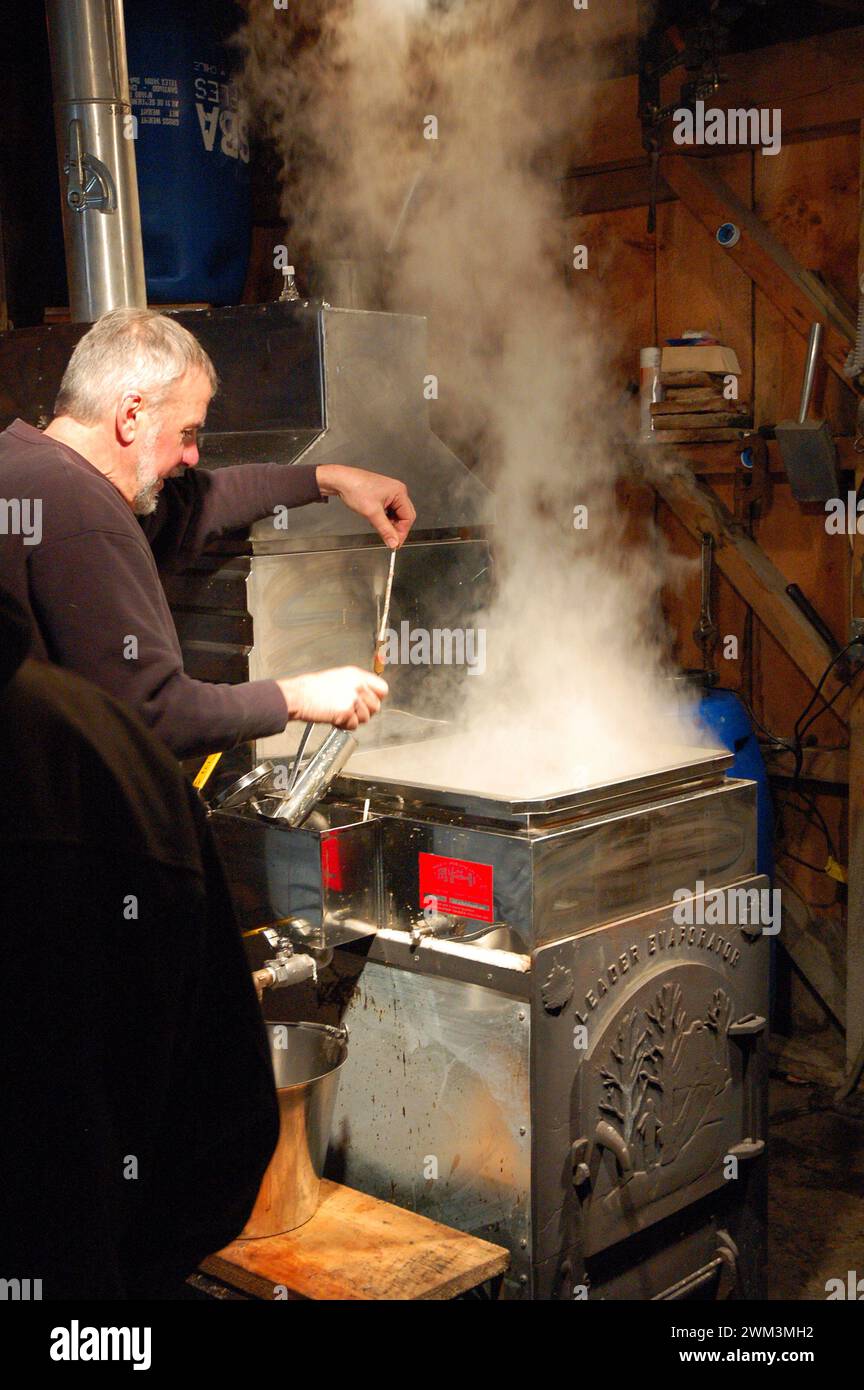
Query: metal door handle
[(578, 1155), (751, 930), (747, 1027), (748, 1148)]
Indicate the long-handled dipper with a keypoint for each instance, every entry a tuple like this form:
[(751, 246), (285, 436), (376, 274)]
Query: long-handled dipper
[(379, 663), (306, 788)]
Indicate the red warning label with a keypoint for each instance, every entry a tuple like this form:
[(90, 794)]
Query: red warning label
[(331, 864), (457, 887)]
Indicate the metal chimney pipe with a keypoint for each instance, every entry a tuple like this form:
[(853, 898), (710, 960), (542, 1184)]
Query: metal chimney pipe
[(96, 147)]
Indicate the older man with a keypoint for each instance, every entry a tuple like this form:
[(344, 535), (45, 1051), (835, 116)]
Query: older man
[(112, 494)]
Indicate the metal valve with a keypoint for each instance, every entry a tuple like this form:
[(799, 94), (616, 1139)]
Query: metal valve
[(89, 185), (285, 968), (431, 924)]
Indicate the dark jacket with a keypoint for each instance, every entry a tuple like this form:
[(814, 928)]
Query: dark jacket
[(137, 1104)]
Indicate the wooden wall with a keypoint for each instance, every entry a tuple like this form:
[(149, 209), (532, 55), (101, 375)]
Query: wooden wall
[(656, 286)]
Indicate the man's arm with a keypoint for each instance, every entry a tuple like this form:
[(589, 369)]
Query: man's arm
[(103, 613), (204, 503)]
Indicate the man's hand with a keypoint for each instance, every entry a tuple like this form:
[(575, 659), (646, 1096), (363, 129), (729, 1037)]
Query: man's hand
[(346, 697), (383, 501)]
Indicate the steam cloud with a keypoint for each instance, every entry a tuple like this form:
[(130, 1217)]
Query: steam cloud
[(470, 231)]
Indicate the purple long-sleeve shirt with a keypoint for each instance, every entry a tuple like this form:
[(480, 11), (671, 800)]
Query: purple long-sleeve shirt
[(86, 571)]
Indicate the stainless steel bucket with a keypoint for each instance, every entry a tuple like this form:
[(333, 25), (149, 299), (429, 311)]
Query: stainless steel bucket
[(307, 1059)]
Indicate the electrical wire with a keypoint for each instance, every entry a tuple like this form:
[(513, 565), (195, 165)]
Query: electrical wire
[(824, 710), (814, 825), (831, 867), (773, 738), (813, 810), (799, 731), (796, 892), (810, 812), (813, 816)]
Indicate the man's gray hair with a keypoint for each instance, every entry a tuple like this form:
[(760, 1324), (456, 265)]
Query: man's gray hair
[(126, 350)]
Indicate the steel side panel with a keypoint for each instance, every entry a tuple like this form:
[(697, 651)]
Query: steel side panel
[(632, 861), (550, 886), (433, 1110)]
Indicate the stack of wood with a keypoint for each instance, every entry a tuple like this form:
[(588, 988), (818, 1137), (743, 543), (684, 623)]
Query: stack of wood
[(700, 404)]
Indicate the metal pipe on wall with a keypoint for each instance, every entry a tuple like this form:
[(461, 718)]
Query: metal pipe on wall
[(96, 146)]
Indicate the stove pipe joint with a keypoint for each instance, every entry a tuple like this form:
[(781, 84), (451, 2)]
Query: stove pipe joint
[(96, 133)]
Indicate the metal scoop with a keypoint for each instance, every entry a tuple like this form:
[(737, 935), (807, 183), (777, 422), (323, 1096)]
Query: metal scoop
[(316, 777)]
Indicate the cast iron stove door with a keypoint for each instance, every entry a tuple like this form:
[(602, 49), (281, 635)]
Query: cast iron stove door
[(662, 1095)]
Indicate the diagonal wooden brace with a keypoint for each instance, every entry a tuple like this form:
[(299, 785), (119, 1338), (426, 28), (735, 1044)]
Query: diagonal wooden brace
[(799, 295), (748, 569)]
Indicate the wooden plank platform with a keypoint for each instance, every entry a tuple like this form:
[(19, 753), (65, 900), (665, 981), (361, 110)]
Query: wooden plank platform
[(357, 1247)]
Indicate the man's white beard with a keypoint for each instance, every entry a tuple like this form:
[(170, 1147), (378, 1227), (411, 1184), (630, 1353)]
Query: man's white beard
[(147, 494)]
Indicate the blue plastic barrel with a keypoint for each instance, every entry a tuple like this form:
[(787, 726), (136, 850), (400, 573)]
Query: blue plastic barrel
[(724, 715), (192, 150)]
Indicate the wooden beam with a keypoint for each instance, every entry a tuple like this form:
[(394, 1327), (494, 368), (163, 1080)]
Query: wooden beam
[(799, 296), (717, 460), (627, 183), (828, 767), (817, 83), (748, 569), (801, 939), (607, 190)]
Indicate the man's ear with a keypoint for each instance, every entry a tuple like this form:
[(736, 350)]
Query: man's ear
[(127, 420)]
